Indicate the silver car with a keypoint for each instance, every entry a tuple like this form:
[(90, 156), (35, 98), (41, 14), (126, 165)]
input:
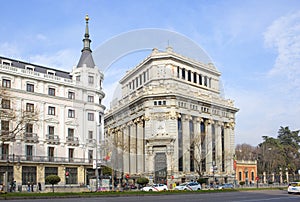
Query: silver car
[(189, 186)]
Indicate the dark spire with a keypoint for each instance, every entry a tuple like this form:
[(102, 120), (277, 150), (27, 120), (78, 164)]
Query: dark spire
[(86, 55)]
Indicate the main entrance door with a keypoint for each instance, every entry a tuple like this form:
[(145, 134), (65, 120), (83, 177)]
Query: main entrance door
[(160, 168)]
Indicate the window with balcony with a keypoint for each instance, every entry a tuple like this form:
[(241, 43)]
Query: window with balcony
[(51, 131), (51, 153), (5, 151), (29, 152), (90, 98), (71, 95), (30, 87), (51, 91), (51, 110), (71, 113), (90, 157), (91, 79), (29, 129), (90, 134), (4, 128), (71, 155), (29, 107), (5, 104), (90, 116), (70, 133), (6, 83)]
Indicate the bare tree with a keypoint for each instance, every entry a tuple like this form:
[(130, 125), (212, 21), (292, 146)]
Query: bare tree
[(14, 119)]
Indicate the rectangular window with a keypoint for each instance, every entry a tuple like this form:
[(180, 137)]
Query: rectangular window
[(6, 83), (29, 152), (5, 104), (240, 176), (29, 128), (51, 153), (90, 98), (70, 133), (71, 113), (72, 175), (71, 95), (51, 110), (5, 151), (51, 130), (51, 171), (90, 156), (51, 91), (77, 78), (90, 116), (30, 87), (91, 80), (90, 134), (71, 155), (29, 107), (28, 175), (4, 127)]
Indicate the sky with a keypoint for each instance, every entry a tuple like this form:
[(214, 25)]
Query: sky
[(255, 44)]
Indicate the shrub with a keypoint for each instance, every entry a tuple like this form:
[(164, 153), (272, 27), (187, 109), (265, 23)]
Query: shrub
[(142, 181), (242, 183), (202, 181), (52, 179)]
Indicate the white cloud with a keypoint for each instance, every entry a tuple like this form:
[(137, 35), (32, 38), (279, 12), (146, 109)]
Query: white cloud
[(63, 59), (41, 37), (10, 50), (284, 36)]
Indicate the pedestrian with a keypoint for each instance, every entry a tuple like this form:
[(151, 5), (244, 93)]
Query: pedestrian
[(28, 186), (31, 186), (40, 186)]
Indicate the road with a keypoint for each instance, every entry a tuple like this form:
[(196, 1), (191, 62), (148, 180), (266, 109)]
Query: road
[(242, 196)]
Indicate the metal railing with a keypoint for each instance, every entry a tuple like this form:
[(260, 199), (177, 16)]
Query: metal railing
[(31, 137), (70, 140), (52, 139), (4, 158)]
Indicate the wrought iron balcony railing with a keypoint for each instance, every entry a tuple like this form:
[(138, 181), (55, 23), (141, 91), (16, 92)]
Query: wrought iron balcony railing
[(72, 141), (5, 135), (31, 137), (52, 139), (91, 142), (4, 158)]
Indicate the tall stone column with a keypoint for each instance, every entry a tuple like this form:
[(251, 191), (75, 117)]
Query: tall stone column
[(140, 146), (186, 142), (197, 142), (218, 137), (126, 154), (133, 148), (208, 139)]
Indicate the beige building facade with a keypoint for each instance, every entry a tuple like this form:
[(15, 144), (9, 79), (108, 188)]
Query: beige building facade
[(171, 123), (65, 138)]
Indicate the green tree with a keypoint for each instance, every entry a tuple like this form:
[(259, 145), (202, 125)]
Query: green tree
[(52, 179)]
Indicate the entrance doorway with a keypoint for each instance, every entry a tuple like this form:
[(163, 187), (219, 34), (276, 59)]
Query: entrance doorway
[(160, 168)]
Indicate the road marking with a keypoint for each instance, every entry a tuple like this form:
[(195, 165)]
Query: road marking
[(268, 199)]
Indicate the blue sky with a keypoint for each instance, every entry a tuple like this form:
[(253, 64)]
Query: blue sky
[(255, 44)]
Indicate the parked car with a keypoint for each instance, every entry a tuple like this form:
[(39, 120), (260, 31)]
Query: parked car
[(155, 187), (189, 186), (294, 187), (226, 186)]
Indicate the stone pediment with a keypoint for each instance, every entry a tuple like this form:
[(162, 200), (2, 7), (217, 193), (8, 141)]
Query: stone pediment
[(71, 123), (52, 120)]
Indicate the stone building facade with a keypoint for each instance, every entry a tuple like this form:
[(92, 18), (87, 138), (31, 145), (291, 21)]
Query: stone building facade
[(171, 123), (66, 137)]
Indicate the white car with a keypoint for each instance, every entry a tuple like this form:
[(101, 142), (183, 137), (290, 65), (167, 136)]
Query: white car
[(294, 187), (155, 187), (189, 186)]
